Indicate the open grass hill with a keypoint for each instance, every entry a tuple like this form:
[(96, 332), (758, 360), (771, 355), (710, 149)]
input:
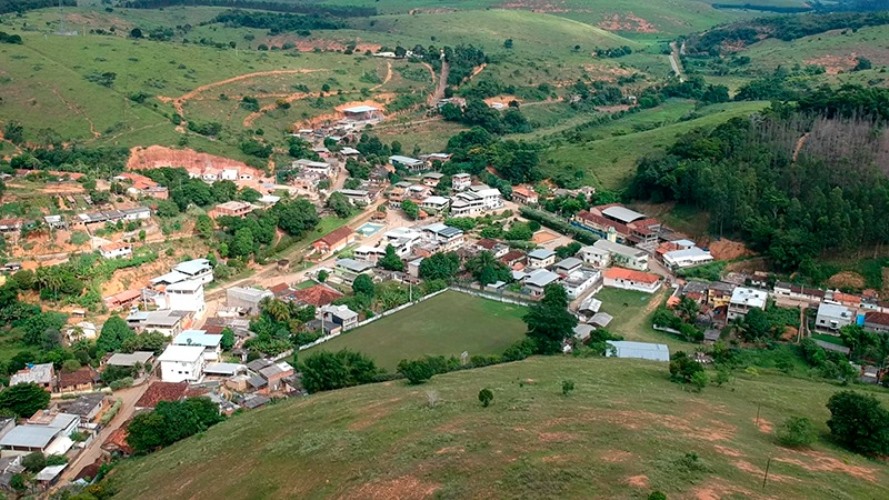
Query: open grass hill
[(625, 431)]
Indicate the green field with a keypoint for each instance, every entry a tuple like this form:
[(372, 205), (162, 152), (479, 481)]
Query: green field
[(632, 313), (447, 325), (610, 160), (622, 433)]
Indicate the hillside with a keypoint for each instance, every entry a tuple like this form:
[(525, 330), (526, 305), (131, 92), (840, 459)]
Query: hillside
[(622, 433)]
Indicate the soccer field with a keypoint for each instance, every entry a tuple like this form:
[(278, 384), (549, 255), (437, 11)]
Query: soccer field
[(447, 325)]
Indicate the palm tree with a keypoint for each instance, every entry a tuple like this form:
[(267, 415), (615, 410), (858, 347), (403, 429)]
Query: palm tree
[(278, 310), (688, 309)]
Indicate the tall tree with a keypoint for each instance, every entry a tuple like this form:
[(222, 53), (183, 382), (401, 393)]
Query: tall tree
[(549, 321), (114, 333), (391, 261)]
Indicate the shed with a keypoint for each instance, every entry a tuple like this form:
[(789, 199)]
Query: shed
[(638, 350)]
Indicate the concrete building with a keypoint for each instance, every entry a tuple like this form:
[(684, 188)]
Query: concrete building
[(743, 300), (628, 279), (340, 315), (196, 269), (186, 296), (541, 258), (182, 363), (43, 375), (246, 299), (116, 250), (211, 343), (621, 255), (637, 350), (831, 317), (537, 281), (349, 269), (461, 181), (581, 281)]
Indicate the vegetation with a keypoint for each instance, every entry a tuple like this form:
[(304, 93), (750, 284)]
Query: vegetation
[(797, 432), (859, 422), (326, 371), (549, 322), (276, 23), (24, 400), (171, 421)]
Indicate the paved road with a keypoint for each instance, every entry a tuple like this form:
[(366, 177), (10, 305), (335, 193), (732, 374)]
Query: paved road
[(94, 451)]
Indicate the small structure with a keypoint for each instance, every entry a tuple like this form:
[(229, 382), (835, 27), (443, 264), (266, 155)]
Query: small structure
[(408, 163), (461, 181), (42, 375), (349, 269), (196, 269), (275, 374), (86, 406), (638, 350), (618, 255), (875, 321), (537, 281), (628, 279), (210, 342), (161, 391), (122, 300), (525, 195), (601, 319), (82, 380), (362, 113), (688, 257), (541, 258), (831, 316), (141, 358), (335, 241), (116, 250), (231, 209), (247, 299), (340, 315), (318, 295)]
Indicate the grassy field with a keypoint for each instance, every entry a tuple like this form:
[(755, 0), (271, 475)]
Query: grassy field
[(448, 325), (610, 161), (632, 313), (622, 433)]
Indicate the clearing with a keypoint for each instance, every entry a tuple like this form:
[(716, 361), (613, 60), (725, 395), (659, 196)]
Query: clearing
[(448, 325), (624, 421)]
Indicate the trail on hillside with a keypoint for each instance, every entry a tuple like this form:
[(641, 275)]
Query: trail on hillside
[(475, 72), (77, 111), (675, 61), (252, 117), (799, 146), (439, 92), (388, 77), (179, 102)]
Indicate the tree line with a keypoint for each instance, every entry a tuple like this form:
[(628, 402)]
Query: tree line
[(790, 182), (294, 7), (277, 23), (7, 6)]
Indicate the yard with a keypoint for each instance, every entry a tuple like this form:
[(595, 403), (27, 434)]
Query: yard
[(632, 317), (448, 325)]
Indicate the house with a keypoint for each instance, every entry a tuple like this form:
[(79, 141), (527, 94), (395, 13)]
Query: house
[(43, 375), (496, 248), (246, 299), (621, 255), (359, 197), (743, 299), (431, 158), (579, 281), (55, 222), (82, 380), (467, 204), (141, 186), (340, 315), (524, 195), (116, 250), (211, 343), (363, 113), (637, 350), (275, 374), (461, 181), (185, 296), (349, 269), (831, 317), (618, 223), (408, 163), (541, 258), (318, 295), (537, 281), (589, 306), (688, 257), (514, 259), (450, 238), (435, 204), (320, 167), (567, 266), (369, 253), (196, 269), (86, 406), (140, 358), (161, 391), (432, 179), (168, 322), (225, 370), (335, 241), (719, 294), (182, 363), (116, 444), (25, 439), (875, 321), (628, 279), (230, 209), (65, 423), (492, 199), (797, 293)]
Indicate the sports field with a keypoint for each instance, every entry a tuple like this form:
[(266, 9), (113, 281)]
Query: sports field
[(447, 325)]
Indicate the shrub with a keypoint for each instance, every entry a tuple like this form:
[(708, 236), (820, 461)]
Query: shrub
[(415, 371), (796, 432), (567, 387), (859, 422), (485, 396), (700, 380), (121, 384)]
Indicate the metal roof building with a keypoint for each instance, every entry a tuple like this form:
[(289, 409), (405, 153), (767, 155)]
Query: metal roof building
[(622, 214), (638, 350)]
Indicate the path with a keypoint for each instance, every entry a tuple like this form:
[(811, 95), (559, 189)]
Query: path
[(252, 117), (179, 102), (94, 451), (799, 146), (77, 111), (439, 92), (675, 62), (388, 77)]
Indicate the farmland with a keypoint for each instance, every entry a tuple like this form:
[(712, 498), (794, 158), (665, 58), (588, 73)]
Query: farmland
[(447, 325), (625, 431)]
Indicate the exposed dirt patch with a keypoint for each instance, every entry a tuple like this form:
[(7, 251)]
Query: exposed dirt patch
[(604, 72), (450, 449), (758, 472), (338, 112), (847, 279), (725, 249), (543, 236), (718, 489), (559, 459), (764, 425), (404, 487), (819, 462), (617, 108), (627, 22), (304, 45), (96, 20), (729, 452), (555, 437), (160, 156), (502, 100), (640, 481), (615, 456), (834, 64), (252, 117)]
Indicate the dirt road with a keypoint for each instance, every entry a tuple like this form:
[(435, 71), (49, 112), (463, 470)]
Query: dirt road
[(439, 92), (675, 62)]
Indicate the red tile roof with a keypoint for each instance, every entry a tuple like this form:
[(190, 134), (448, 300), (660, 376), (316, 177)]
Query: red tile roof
[(512, 256), (486, 243), (279, 289), (879, 318), (117, 441), (619, 273), (336, 236), (162, 391), (318, 295), (85, 375)]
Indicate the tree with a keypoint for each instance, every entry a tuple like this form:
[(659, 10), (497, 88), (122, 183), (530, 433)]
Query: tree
[(415, 371), (507, 44), (657, 495), (135, 33), (485, 396), (323, 275), (114, 333), (325, 371), (243, 244), (549, 321), (35, 327), (171, 421), (391, 261), (487, 269), (683, 368), (797, 432), (296, 217), (364, 286), (24, 399), (862, 64), (411, 209), (228, 339), (858, 422), (34, 462), (567, 387), (440, 266), (688, 309), (70, 365), (700, 380), (341, 205), (203, 225)]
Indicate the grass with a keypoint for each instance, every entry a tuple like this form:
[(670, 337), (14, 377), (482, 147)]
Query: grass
[(831, 339), (610, 161), (448, 325), (624, 431), (632, 312)]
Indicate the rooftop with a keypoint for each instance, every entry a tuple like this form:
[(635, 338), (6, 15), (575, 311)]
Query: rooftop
[(85, 375), (404, 160), (619, 273), (541, 254), (41, 374), (342, 312), (356, 266), (226, 369), (360, 109), (749, 297), (541, 278), (617, 248), (639, 350), (185, 286), (182, 353), (192, 267), (162, 391), (569, 263), (336, 236), (196, 337), (835, 311), (31, 436), (317, 295), (622, 214), (122, 359)]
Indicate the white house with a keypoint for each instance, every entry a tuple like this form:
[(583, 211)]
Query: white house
[(580, 281), (320, 167), (166, 322), (629, 279), (537, 281), (637, 350), (212, 344), (541, 258), (186, 296), (622, 255), (832, 316), (182, 363), (461, 181), (491, 197), (408, 163), (435, 204), (450, 238), (116, 250), (466, 204), (688, 257), (744, 299), (597, 257), (196, 269)]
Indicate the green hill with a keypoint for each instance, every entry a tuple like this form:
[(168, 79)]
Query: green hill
[(625, 431)]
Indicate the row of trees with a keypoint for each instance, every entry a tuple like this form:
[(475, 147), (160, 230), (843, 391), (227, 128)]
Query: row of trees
[(276, 23), (478, 113)]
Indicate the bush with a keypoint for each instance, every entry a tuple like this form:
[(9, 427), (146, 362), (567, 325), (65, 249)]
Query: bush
[(567, 387), (416, 371), (700, 380), (485, 396), (859, 423), (796, 432), (121, 384)]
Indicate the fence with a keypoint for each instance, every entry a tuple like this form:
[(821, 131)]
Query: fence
[(493, 296)]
